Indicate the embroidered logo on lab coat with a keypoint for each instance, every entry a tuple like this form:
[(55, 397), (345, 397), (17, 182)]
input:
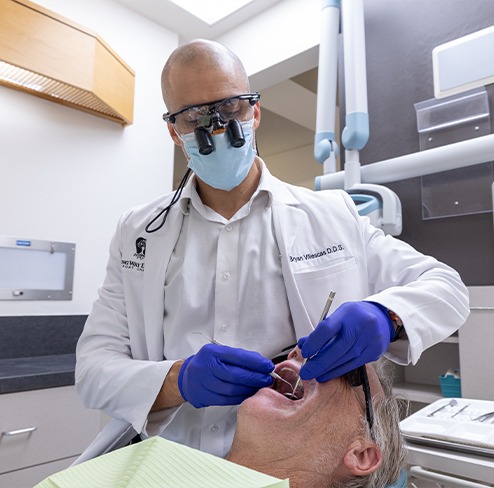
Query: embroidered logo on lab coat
[(139, 255), (126, 264), (140, 248)]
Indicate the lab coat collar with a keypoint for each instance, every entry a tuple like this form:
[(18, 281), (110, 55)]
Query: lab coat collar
[(278, 191), (286, 219), (158, 252)]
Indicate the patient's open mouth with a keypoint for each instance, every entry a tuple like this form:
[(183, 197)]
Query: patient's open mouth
[(290, 376)]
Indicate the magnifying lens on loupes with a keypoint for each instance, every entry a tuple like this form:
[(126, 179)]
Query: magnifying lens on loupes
[(213, 124)]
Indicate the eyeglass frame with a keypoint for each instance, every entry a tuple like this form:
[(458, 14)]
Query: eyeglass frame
[(252, 97), (358, 377)]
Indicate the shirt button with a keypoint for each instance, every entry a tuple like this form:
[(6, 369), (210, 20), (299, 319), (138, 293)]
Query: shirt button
[(214, 428), (229, 228), (224, 327), (226, 275)]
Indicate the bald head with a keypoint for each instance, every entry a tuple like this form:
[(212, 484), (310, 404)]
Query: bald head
[(201, 59)]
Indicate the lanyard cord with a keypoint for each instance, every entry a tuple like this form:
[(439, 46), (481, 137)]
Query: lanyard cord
[(175, 199), (165, 211)]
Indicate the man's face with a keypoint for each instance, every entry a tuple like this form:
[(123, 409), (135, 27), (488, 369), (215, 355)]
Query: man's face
[(326, 413)]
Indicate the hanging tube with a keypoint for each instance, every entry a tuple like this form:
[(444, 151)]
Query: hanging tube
[(324, 143), (356, 133)]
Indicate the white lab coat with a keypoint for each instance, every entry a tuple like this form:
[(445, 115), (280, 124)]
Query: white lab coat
[(324, 245)]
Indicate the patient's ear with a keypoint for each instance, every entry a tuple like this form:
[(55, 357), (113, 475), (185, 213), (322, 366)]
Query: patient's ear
[(362, 458)]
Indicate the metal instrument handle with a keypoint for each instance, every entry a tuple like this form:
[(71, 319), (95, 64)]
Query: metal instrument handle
[(486, 416), (27, 430), (324, 314)]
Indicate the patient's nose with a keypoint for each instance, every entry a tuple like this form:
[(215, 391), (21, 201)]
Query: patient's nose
[(295, 353)]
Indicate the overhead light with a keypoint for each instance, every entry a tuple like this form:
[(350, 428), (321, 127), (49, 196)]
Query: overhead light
[(47, 55), (211, 11)]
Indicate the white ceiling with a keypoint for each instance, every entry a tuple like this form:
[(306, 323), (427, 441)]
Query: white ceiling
[(288, 109), (179, 20)]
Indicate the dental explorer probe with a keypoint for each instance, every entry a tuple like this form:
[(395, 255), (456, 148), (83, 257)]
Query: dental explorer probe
[(324, 314), (273, 375)]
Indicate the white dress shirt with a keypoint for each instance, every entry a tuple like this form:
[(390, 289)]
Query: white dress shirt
[(224, 279)]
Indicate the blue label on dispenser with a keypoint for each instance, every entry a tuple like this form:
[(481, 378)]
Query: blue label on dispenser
[(23, 243)]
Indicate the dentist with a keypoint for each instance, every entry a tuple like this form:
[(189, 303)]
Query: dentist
[(240, 257)]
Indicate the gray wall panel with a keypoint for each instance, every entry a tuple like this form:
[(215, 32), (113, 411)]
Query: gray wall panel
[(400, 36)]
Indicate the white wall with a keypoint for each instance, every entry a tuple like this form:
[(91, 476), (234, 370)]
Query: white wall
[(276, 45), (66, 175), (280, 43)]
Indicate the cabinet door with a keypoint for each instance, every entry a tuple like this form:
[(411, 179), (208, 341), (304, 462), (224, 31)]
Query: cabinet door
[(477, 345), (44, 425)]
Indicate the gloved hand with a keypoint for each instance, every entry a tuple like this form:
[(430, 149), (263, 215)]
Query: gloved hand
[(355, 334), (222, 375)]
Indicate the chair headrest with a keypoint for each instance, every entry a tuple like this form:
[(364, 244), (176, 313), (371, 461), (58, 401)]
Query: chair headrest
[(401, 482)]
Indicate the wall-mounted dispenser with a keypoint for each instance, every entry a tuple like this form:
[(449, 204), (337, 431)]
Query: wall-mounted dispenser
[(463, 64), (32, 269)]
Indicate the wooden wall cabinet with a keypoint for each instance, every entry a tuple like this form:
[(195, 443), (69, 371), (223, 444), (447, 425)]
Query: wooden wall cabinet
[(47, 55)]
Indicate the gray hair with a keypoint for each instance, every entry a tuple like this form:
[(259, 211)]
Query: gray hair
[(387, 435)]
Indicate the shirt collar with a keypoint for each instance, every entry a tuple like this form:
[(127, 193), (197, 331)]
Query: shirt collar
[(267, 184)]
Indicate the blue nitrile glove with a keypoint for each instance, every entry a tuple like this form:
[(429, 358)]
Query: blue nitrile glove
[(355, 334), (222, 375)]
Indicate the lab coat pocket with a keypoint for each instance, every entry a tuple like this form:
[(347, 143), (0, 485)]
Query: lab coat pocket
[(314, 285)]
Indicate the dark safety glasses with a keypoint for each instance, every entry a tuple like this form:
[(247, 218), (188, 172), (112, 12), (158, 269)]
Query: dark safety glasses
[(203, 115), (358, 377)]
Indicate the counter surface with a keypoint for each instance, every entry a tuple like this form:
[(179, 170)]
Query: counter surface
[(38, 352), (32, 373)]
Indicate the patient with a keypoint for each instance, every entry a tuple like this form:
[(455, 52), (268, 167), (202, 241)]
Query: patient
[(323, 439), (327, 437)]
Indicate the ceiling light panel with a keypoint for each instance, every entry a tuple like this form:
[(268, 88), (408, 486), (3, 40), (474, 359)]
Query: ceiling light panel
[(211, 11)]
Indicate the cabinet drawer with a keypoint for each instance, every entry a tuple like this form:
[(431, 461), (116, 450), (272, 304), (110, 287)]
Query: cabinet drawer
[(27, 478), (44, 425)]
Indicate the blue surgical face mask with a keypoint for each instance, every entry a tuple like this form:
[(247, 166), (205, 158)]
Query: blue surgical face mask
[(227, 166)]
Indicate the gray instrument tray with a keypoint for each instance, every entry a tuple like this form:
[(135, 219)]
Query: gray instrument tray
[(451, 428)]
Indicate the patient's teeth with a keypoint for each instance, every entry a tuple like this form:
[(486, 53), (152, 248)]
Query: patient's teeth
[(289, 375)]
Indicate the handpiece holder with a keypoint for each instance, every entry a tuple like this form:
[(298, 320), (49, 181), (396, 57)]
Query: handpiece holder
[(389, 217)]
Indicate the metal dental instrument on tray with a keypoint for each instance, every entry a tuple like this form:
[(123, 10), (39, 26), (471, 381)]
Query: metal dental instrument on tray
[(486, 416)]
